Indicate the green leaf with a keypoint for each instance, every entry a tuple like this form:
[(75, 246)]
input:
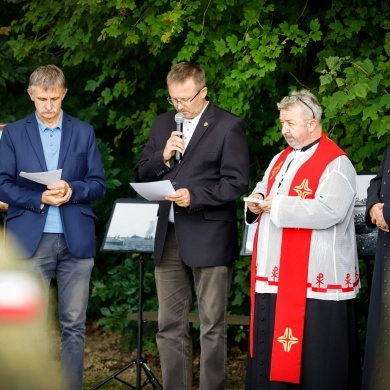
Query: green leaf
[(105, 311), (315, 25), (385, 101), (384, 127), (359, 90), (337, 100), (106, 94), (375, 127), (327, 79), (333, 62), (374, 83), (220, 47), (368, 66), (91, 85), (371, 112)]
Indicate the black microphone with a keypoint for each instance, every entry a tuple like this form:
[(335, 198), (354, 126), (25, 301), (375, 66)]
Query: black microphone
[(179, 119)]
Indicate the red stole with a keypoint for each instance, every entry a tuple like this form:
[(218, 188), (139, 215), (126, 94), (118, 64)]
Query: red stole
[(293, 269)]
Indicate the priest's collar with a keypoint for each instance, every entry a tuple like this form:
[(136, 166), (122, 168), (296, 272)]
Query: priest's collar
[(307, 147)]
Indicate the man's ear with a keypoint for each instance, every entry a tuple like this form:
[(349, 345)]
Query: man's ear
[(30, 93), (312, 124)]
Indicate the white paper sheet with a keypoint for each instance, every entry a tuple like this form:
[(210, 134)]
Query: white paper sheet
[(46, 178), (155, 190), (254, 200)]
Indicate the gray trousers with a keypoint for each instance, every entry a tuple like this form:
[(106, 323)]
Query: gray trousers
[(175, 281), (73, 274)]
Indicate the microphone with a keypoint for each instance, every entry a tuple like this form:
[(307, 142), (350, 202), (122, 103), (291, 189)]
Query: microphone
[(179, 119)]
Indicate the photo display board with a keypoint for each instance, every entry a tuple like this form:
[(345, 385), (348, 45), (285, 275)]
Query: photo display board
[(132, 226)]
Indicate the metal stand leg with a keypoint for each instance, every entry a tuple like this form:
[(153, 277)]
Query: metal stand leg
[(138, 362)]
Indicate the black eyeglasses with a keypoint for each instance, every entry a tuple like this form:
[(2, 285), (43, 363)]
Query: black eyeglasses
[(294, 98), (182, 101)]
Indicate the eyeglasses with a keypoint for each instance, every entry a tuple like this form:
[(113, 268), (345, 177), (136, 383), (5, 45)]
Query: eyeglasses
[(294, 98), (182, 101)]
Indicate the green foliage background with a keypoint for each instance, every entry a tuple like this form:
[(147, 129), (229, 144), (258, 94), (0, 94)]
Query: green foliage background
[(116, 54)]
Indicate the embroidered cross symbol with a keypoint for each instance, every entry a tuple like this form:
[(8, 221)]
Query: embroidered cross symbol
[(275, 273), (288, 340), (303, 189), (320, 278), (348, 280), (276, 170)]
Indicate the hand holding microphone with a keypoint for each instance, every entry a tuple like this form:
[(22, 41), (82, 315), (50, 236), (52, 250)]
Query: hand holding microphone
[(175, 143), (179, 119)]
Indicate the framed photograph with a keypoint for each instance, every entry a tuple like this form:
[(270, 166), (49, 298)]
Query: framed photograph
[(366, 237), (247, 240), (132, 226)]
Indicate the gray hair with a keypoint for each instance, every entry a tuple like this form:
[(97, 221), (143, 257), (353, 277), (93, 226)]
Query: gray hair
[(185, 70), (47, 76), (306, 100)]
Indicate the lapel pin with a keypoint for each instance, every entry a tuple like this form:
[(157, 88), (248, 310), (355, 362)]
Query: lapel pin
[(205, 124)]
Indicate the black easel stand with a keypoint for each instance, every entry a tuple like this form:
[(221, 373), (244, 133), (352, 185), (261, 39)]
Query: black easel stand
[(138, 362)]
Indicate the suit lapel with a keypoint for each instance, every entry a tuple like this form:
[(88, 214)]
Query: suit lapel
[(66, 136), (35, 139)]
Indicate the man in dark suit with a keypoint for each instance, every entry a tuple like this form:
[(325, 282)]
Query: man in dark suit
[(376, 367), (55, 224), (196, 237)]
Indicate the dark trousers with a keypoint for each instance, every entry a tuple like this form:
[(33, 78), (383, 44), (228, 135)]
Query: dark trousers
[(330, 356)]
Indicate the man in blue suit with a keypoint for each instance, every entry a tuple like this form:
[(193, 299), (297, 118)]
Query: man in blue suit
[(55, 224)]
